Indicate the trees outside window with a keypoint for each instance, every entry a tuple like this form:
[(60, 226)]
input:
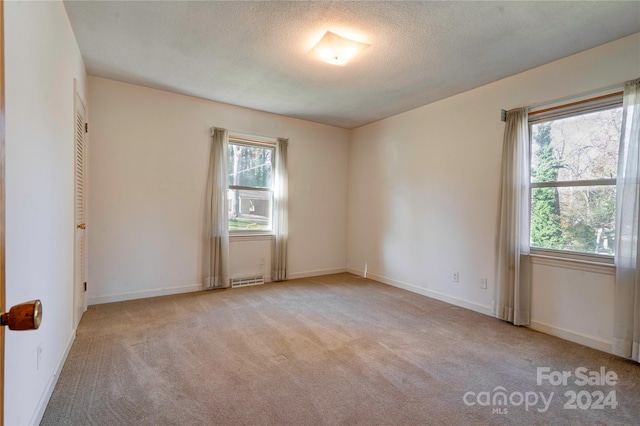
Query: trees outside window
[(573, 180)]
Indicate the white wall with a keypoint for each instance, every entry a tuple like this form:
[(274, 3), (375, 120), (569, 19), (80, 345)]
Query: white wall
[(148, 161), (574, 304), (42, 59), (423, 195)]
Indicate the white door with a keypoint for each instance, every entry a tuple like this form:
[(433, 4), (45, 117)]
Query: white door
[(80, 257)]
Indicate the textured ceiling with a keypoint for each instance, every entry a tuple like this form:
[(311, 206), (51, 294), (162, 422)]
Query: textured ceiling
[(254, 54)]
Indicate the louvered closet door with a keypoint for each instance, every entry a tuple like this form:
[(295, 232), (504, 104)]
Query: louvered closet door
[(80, 207)]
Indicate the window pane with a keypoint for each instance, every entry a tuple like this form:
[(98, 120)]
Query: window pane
[(576, 148), (249, 210), (250, 166), (580, 219)]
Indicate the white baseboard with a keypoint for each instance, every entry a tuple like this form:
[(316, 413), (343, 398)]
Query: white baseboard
[(316, 273), (572, 336), (592, 342), (132, 295), (426, 292), (119, 297), (51, 384)]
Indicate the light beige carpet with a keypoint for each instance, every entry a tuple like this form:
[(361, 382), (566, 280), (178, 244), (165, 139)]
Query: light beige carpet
[(327, 350)]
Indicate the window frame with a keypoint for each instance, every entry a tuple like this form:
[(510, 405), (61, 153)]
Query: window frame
[(607, 101), (259, 142)]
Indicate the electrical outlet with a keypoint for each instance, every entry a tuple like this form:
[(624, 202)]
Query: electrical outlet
[(455, 277), (262, 261), (39, 357), (483, 283)]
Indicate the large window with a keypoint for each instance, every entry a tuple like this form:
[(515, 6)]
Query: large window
[(574, 158), (251, 179)]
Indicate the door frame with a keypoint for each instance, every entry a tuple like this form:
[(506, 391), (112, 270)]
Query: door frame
[(2, 209), (78, 100)]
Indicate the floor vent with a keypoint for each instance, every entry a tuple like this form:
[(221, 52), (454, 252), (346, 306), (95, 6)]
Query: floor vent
[(244, 282)]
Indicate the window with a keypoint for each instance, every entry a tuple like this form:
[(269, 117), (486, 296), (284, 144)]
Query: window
[(251, 179), (574, 162)]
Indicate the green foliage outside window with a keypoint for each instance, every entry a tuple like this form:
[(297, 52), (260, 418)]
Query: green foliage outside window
[(546, 229), (577, 217)]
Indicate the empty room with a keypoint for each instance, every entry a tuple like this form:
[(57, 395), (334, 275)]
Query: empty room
[(301, 213)]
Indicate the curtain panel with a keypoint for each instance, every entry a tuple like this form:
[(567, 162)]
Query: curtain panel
[(216, 228), (280, 216), (513, 265), (626, 333)]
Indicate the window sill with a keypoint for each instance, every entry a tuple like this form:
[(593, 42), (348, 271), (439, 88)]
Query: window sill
[(250, 237), (580, 265)]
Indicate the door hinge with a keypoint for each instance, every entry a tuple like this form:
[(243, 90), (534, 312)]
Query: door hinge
[(86, 127), (85, 286)]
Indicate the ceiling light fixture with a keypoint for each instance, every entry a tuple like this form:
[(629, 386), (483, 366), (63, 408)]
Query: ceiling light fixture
[(336, 50)]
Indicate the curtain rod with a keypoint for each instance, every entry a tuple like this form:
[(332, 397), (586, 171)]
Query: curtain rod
[(503, 113), (585, 101), (247, 139)]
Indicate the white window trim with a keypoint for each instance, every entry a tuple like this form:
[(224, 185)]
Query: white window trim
[(599, 263), (573, 256), (539, 257), (235, 237), (251, 139)]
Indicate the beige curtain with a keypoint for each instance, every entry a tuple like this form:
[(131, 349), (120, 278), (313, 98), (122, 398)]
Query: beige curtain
[(626, 332), (216, 229), (280, 216), (513, 266)]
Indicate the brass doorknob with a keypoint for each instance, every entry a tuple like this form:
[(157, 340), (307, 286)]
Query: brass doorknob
[(25, 316), (82, 226)]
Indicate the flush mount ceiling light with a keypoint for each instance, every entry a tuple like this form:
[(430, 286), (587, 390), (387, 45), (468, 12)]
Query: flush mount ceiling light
[(336, 49)]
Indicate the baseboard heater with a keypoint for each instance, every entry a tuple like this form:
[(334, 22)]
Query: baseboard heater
[(244, 282)]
